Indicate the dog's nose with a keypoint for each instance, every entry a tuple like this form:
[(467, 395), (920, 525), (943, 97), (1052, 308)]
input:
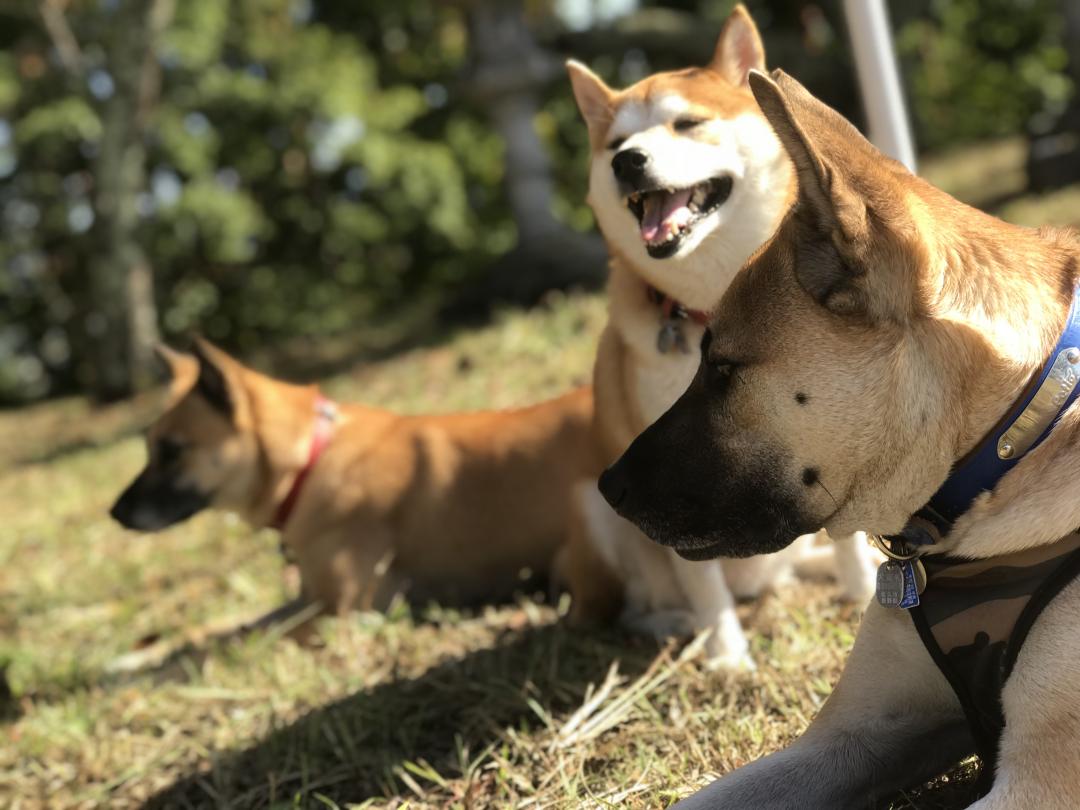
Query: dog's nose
[(629, 165), (121, 512), (613, 485)]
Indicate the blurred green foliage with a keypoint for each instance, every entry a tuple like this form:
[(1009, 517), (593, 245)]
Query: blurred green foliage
[(314, 165), (308, 169), (980, 68)]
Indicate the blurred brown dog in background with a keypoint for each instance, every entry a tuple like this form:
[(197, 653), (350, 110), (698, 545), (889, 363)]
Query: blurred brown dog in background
[(370, 503)]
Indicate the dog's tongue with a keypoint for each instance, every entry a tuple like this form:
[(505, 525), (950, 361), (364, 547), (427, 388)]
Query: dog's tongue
[(664, 213)]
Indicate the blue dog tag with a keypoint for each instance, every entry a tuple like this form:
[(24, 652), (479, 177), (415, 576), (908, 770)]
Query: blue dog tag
[(911, 586)]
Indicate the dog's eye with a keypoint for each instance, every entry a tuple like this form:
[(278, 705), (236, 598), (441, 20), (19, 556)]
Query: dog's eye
[(720, 369), (616, 143), (685, 124), (168, 451)]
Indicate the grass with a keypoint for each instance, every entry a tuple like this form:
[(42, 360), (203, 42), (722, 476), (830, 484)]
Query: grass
[(501, 707)]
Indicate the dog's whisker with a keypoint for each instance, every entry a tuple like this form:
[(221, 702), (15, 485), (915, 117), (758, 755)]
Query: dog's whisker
[(836, 503)]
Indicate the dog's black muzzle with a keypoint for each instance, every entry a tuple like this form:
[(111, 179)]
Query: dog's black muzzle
[(688, 486), (154, 502)]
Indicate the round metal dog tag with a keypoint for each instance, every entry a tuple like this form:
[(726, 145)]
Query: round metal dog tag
[(890, 584), (670, 337)]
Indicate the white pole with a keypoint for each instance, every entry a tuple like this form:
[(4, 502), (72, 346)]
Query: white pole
[(879, 80)]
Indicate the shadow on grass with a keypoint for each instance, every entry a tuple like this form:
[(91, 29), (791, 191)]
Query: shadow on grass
[(374, 743), (424, 325), (63, 449), (299, 361), (356, 748), (10, 709), (45, 435)]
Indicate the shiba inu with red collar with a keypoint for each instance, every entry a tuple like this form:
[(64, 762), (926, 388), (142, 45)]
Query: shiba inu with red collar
[(687, 180)]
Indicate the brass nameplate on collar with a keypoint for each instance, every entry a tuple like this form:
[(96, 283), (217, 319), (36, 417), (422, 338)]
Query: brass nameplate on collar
[(1044, 406)]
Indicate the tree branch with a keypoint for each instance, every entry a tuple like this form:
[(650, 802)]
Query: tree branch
[(56, 24)]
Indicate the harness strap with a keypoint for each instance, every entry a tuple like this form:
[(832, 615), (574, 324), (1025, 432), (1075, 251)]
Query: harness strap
[(1053, 585), (986, 740), (975, 619)]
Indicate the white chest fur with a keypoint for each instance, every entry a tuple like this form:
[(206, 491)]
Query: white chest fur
[(656, 379), (660, 379)]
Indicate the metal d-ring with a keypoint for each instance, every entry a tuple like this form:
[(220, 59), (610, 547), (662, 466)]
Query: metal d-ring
[(882, 545)]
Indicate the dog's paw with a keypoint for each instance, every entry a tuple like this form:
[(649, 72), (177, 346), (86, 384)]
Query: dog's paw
[(860, 591), (856, 568), (750, 577), (730, 662), (728, 652)]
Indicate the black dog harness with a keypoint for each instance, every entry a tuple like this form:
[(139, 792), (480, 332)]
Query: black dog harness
[(973, 616)]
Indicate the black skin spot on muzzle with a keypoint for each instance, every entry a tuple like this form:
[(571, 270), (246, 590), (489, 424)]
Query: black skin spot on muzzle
[(153, 502), (689, 485)]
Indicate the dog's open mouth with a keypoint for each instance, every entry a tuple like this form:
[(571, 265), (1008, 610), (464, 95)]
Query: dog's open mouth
[(666, 216)]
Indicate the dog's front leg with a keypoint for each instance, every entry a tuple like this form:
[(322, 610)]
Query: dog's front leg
[(891, 722), (713, 607), (856, 567)]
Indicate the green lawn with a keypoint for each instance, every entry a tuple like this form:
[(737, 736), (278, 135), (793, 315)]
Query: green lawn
[(433, 709)]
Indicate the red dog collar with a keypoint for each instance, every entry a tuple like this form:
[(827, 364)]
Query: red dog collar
[(325, 416), (673, 310)]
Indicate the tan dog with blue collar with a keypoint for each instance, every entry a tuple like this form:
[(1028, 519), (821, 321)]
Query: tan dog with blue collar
[(886, 334), (686, 181)]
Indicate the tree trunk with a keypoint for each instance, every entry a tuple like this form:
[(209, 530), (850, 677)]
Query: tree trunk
[(1071, 10), (508, 70), (121, 326), (1054, 155)]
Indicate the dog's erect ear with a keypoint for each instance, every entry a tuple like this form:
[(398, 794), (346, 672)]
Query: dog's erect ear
[(825, 149), (803, 124), (176, 365), (593, 98), (214, 383), (739, 49)]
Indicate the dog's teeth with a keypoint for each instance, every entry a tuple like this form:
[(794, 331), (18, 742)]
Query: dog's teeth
[(699, 195)]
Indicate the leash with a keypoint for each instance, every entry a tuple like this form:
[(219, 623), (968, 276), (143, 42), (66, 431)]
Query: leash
[(1028, 422), (326, 414), (672, 314)]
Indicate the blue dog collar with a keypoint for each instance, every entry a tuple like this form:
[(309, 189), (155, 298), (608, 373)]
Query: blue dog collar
[(1028, 422)]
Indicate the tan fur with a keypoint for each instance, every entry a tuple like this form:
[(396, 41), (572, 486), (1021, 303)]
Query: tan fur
[(450, 507), (633, 381), (927, 320)]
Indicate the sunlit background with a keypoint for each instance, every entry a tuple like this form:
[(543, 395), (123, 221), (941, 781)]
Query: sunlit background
[(306, 179)]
